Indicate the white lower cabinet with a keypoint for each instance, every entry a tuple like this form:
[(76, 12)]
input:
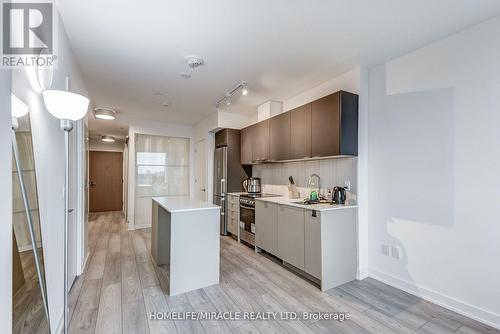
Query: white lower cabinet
[(312, 241), (233, 215), (291, 235), (266, 222)]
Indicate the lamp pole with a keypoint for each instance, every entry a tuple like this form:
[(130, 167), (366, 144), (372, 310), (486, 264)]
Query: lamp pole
[(67, 107), (41, 280), (67, 126)]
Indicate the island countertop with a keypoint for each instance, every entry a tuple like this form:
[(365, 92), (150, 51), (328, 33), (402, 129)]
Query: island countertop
[(184, 203)]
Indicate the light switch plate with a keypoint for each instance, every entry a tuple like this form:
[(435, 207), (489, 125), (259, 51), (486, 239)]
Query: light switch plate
[(396, 252), (385, 250)]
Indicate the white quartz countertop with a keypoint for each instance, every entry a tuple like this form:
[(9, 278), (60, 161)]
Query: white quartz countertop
[(238, 193), (318, 207), (182, 204)]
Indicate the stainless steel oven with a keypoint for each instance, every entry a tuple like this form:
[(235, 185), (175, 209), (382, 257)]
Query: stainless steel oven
[(247, 216)]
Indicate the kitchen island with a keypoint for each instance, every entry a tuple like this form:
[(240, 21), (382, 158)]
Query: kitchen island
[(185, 237)]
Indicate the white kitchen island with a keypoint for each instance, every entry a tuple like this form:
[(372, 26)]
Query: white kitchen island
[(185, 237)]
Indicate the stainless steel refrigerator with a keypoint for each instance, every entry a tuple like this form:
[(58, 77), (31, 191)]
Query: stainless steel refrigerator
[(229, 174), (220, 185)]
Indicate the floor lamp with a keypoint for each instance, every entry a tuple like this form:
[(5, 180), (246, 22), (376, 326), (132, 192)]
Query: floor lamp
[(20, 109), (67, 107)]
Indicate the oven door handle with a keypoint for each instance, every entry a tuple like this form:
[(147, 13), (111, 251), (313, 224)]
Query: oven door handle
[(247, 207)]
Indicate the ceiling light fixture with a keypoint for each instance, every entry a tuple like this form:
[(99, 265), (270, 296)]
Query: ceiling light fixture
[(104, 113), (108, 139), (227, 97), (194, 62), (244, 88)]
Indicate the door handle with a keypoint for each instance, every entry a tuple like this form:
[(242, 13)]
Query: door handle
[(203, 189), (222, 186), (71, 210), (92, 183)]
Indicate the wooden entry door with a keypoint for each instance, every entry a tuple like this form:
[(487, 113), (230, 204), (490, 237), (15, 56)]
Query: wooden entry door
[(106, 181)]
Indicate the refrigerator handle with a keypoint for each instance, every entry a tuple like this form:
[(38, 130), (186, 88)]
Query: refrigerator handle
[(222, 206), (222, 181)]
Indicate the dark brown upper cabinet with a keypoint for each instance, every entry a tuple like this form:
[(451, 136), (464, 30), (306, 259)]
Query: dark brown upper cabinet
[(334, 123), (279, 137), (246, 146), (323, 128), (260, 141), (300, 129)]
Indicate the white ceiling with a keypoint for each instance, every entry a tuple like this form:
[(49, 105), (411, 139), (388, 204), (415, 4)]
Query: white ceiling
[(129, 50)]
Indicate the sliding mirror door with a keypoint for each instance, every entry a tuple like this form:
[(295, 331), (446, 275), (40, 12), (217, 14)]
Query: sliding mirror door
[(29, 309)]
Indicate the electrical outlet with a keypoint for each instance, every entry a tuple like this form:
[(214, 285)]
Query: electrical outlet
[(347, 184), (396, 252), (385, 250)]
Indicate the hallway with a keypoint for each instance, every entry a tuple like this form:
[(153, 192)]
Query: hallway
[(120, 286)]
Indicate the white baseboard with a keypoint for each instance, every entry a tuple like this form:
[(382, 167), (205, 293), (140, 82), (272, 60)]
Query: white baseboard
[(140, 226), (85, 262), (26, 248), (362, 273), (463, 308)]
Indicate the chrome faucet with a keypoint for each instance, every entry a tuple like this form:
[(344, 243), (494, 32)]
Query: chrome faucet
[(319, 181)]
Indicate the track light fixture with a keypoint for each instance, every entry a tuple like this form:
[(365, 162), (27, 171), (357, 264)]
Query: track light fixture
[(242, 86)]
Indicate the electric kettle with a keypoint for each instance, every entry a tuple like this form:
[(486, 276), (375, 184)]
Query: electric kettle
[(339, 195), (252, 185)]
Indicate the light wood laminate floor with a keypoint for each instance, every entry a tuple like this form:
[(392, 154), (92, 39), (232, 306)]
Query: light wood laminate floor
[(120, 286)]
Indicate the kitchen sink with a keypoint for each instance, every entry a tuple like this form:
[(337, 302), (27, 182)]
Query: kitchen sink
[(310, 203)]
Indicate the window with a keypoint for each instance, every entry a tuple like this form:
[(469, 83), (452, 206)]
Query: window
[(162, 169)]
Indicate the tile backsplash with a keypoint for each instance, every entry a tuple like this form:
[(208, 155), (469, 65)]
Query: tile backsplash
[(333, 172)]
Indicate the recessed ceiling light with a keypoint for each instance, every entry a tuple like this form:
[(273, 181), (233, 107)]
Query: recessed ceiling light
[(185, 75), (194, 62), (109, 139), (104, 113)]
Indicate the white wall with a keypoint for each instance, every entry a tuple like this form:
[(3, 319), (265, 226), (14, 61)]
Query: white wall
[(5, 203), (349, 82), (159, 129), (48, 144), (434, 159)]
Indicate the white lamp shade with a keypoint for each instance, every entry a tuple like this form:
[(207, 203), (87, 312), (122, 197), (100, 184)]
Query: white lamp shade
[(65, 105), (18, 107)]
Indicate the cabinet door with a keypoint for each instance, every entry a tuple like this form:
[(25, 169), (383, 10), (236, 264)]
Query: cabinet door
[(232, 219), (325, 120), (246, 146), (266, 226), (300, 132), (279, 137), (291, 235), (312, 241), (260, 141)]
